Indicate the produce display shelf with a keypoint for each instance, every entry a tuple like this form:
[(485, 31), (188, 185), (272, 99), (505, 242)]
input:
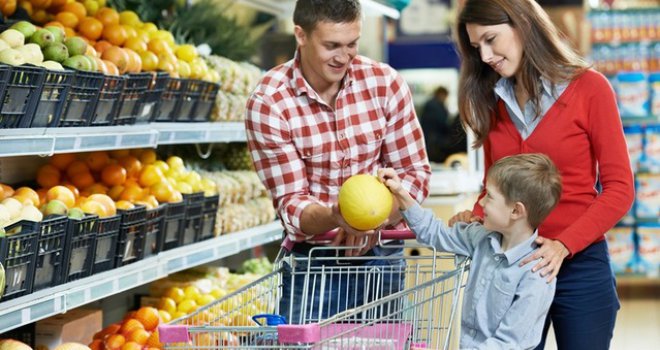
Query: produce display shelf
[(52, 301), (47, 141)]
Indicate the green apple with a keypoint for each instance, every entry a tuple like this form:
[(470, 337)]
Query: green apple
[(76, 45), (56, 52), (42, 37), (25, 27), (58, 33)]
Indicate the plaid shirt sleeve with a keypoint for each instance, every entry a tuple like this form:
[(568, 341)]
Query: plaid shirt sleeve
[(403, 147), (278, 163)]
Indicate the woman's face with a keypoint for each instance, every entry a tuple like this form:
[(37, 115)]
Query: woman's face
[(499, 46)]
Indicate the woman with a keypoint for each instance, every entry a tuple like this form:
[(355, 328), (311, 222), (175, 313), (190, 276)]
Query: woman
[(523, 90)]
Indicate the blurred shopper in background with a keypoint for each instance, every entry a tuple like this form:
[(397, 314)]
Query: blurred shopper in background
[(435, 124), (311, 124), (523, 90)]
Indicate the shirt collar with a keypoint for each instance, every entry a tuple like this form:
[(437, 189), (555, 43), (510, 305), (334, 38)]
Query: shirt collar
[(516, 253), (504, 88), (301, 86)]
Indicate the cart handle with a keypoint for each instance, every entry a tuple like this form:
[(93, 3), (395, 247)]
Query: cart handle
[(330, 235)]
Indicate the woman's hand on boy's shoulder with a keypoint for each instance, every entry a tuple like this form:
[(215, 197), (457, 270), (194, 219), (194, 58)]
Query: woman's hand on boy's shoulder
[(551, 254), (464, 216)]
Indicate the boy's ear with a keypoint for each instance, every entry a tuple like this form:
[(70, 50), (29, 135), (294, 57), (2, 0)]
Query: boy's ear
[(519, 211)]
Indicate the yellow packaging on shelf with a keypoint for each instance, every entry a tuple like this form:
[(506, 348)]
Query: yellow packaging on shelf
[(457, 160), (77, 325)]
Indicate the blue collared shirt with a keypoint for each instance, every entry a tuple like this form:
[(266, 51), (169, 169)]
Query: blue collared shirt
[(504, 305), (526, 120)]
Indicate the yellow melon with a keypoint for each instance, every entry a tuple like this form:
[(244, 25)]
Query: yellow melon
[(364, 202)]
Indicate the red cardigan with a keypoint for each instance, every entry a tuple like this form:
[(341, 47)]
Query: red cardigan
[(583, 135)]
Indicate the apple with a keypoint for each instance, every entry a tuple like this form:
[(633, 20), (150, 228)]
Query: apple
[(56, 52), (13, 37), (78, 62), (76, 45), (11, 57), (42, 37), (25, 27), (58, 33)]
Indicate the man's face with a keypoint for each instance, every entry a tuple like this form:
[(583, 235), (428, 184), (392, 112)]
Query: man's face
[(327, 51)]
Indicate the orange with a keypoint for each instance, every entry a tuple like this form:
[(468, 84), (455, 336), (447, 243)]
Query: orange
[(100, 64), (63, 194), (96, 344), (69, 32), (118, 56), (62, 160), (136, 44), (97, 188), (148, 316), (138, 336), (76, 166), (131, 193), (154, 341), (91, 28), (27, 6), (7, 191), (106, 201), (73, 189), (40, 16), (148, 156), (82, 179), (115, 192), (131, 345), (28, 194), (113, 175), (114, 33), (55, 24), (111, 68), (132, 165), (48, 176), (107, 16), (56, 4), (96, 160), (40, 4), (130, 325), (68, 19), (150, 176), (114, 341), (101, 46), (119, 153), (76, 8), (134, 61)]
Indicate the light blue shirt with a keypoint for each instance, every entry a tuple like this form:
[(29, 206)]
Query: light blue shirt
[(504, 305), (526, 120)]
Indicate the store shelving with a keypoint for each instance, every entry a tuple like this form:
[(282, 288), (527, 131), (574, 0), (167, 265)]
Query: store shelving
[(33, 307), (47, 141)]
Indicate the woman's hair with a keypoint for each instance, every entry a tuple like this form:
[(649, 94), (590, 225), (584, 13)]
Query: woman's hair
[(308, 13), (544, 54)]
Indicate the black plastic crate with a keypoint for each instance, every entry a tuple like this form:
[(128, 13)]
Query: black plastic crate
[(54, 93), (131, 235), (157, 85), (81, 241), (189, 99), (109, 102), (169, 105), (49, 266), (21, 96), (154, 230), (175, 220), (193, 225), (209, 215), (106, 243), (204, 107), (132, 98), (82, 99), (18, 252)]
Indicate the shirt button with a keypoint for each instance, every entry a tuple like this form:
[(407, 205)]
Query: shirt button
[(341, 136), (497, 258)]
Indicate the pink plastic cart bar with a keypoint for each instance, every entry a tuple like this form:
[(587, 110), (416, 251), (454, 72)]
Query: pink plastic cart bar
[(173, 333)]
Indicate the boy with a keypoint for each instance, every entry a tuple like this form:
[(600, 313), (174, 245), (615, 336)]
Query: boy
[(504, 305)]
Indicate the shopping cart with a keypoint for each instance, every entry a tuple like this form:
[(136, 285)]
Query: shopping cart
[(378, 313)]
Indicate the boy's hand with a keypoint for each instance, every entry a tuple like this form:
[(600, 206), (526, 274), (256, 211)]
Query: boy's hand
[(390, 179), (464, 216), (552, 253)]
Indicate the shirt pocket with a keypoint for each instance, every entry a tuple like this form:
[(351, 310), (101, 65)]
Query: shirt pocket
[(500, 298), (368, 145), (314, 155)]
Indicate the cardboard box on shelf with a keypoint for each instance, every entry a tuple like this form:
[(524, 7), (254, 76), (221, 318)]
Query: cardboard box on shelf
[(77, 325)]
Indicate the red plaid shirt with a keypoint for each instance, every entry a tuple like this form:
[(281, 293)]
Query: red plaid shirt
[(304, 150)]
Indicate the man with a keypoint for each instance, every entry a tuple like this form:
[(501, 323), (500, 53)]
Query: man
[(435, 124), (315, 121)]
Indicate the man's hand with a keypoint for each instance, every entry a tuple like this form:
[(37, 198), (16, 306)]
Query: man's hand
[(350, 237), (464, 216), (552, 253)]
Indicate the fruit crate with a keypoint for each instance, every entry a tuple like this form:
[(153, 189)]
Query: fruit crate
[(131, 235), (170, 102), (18, 252), (49, 265), (175, 220), (189, 99), (20, 96), (106, 243), (209, 216), (204, 107), (132, 98), (81, 241), (154, 231), (157, 85), (82, 99), (56, 86), (107, 107), (193, 224)]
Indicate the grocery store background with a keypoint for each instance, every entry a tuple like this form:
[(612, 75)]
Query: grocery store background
[(179, 218)]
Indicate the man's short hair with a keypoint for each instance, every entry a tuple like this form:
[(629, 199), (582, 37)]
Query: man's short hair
[(529, 178), (310, 12)]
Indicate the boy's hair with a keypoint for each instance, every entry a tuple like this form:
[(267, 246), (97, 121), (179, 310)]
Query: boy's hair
[(531, 179), (310, 12)]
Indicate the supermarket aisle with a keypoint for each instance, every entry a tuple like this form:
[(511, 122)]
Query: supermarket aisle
[(637, 326)]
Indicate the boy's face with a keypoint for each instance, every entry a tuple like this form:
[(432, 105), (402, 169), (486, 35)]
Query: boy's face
[(327, 51), (497, 213)]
